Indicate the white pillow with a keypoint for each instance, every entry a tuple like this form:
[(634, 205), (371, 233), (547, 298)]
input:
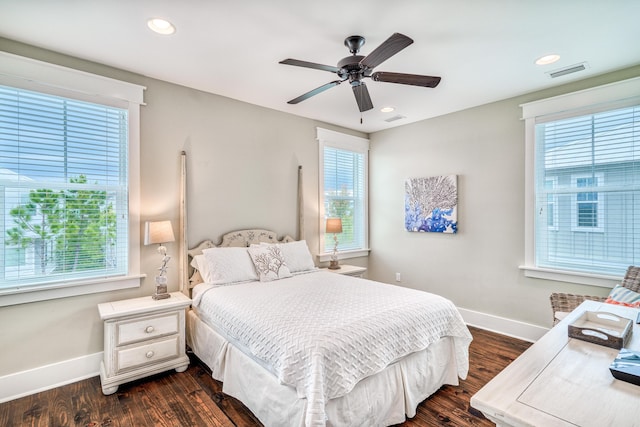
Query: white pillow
[(269, 262), (200, 265), (296, 255), (228, 265)]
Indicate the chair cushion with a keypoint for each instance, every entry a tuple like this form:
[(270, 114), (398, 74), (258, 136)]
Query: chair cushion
[(622, 296)]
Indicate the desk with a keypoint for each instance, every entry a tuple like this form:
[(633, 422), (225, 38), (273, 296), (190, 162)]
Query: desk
[(561, 381)]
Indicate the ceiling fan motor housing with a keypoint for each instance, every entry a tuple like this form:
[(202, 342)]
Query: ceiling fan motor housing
[(351, 68)]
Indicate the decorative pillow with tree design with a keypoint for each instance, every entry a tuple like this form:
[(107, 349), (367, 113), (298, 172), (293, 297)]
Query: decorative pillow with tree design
[(269, 262)]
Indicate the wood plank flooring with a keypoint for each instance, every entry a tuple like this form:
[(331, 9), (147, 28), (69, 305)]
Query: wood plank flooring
[(193, 398)]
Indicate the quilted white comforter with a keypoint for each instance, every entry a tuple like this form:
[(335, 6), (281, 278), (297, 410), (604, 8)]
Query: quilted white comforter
[(322, 332)]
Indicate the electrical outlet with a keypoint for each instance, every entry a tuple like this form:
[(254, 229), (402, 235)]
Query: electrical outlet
[(398, 277)]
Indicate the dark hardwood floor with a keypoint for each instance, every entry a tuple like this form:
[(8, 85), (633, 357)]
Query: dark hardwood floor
[(193, 398)]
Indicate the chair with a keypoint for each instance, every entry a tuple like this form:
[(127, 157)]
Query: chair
[(562, 303)]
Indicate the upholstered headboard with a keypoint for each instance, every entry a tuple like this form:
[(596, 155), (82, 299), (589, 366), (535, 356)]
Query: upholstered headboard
[(239, 238)]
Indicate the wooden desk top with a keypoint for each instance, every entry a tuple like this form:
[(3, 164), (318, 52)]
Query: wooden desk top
[(561, 381)]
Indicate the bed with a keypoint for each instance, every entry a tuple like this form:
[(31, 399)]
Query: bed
[(300, 346)]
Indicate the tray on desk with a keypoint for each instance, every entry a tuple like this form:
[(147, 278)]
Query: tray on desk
[(602, 328)]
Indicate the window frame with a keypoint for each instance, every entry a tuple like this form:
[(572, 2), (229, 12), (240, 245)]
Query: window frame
[(329, 138), (30, 74), (553, 202), (589, 101)]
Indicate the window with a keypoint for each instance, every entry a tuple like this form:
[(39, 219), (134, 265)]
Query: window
[(584, 196), (67, 186), (586, 214), (343, 192)]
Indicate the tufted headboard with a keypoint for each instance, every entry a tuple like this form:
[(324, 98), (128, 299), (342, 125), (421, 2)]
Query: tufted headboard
[(239, 238)]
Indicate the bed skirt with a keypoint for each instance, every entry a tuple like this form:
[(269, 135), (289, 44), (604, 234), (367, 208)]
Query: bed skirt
[(383, 399)]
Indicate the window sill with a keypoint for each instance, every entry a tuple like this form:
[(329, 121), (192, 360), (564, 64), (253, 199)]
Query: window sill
[(23, 295), (599, 280), (345, 255)]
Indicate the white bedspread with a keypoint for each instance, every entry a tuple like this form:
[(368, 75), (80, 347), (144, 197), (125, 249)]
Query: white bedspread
[(322, 332)]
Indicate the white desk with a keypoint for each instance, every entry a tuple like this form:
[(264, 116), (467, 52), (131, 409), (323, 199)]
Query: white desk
[(561, 381)]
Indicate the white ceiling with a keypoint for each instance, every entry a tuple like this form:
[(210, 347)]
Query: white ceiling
[(484, 50)]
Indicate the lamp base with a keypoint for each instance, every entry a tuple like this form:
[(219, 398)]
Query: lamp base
[(333, 265), (161, 288), (163, 295)]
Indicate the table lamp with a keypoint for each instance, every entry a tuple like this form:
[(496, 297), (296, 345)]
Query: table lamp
[(334, 225), (160, 232)]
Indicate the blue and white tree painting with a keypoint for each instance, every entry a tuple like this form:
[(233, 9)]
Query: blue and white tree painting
[(431, 204)]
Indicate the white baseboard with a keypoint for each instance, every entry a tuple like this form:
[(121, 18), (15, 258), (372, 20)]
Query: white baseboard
[(25, 383), (502, 325)]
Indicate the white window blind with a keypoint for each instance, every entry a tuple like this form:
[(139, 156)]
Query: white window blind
[(63, 189), (344, 163), (587, 192), (344, 196)]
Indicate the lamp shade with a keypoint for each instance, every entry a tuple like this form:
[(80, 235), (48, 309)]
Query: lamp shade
[(334, 225), (158, 232)]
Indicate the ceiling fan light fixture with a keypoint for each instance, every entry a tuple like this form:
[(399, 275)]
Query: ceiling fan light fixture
[(161, 26), (387, 109), (547, 59)]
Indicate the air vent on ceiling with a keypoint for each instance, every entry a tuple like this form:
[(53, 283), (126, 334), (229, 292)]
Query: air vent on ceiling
[(568, 70), (394, 118)]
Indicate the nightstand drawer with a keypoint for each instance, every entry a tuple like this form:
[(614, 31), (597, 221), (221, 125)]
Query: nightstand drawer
[(146, 328), (147, 354)]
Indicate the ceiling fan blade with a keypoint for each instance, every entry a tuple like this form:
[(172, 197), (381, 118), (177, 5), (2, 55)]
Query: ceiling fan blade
[(315, 91), (386, 50), (406, 79), (313, 65), (362, 97)]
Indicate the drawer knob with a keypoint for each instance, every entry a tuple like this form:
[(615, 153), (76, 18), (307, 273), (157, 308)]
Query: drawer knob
[(149, 329), (150, 354)]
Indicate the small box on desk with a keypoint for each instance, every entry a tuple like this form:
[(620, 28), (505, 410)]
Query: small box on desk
[(626, 366), (602, 328)]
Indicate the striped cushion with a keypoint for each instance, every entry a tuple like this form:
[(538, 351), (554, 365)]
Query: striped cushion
[(622, 296)]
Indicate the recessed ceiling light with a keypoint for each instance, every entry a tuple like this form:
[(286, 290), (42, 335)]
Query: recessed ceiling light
[(547, 59), (161, 26), (387, 109)]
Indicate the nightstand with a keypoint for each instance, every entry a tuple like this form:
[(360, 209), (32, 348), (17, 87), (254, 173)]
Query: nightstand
[(348, 270), (142, 336)]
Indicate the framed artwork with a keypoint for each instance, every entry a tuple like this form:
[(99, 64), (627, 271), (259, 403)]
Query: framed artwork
[(431, 204)]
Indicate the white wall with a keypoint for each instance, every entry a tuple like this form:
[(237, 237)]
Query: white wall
[(477, 267)]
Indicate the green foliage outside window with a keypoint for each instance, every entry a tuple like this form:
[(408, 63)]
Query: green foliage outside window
[(69, 230)]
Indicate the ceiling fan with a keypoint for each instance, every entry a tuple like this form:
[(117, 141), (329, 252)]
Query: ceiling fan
[(356, 67)]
